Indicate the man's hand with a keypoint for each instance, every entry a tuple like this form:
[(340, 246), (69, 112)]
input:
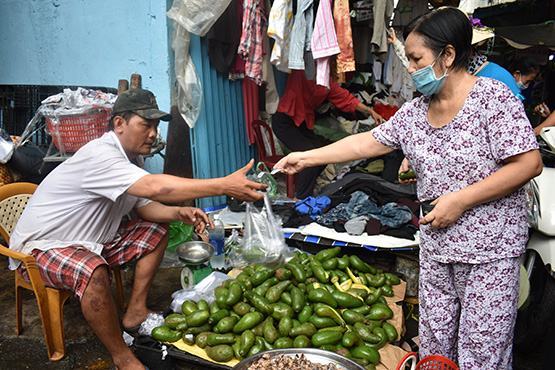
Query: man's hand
[(238, 186), (196, 217), (447, 210)]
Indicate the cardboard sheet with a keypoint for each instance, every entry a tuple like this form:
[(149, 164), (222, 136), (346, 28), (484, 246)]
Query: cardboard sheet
[(398, 320), (197, 351), (390, 357)]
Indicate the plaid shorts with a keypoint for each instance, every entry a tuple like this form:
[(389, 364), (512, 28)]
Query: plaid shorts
[(70, 268)]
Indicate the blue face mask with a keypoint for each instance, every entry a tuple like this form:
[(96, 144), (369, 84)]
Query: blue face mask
[(426, 82), (522, 86)]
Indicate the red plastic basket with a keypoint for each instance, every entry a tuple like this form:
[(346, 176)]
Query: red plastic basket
[(70, 132), (436, 362)]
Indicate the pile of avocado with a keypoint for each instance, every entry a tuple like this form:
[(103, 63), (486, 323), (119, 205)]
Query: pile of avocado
[(322, 301)]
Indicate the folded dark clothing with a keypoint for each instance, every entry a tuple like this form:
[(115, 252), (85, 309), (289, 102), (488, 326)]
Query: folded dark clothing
[(296, 221), (405, 232), (415, 221), (373, 227), (339, 226), (338, 199), (372, 185), (414, 205)]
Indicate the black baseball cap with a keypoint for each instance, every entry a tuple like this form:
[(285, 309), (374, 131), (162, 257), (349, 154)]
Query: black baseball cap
[(141, 102)]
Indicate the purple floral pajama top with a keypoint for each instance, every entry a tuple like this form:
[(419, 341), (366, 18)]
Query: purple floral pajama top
[(490, 127)]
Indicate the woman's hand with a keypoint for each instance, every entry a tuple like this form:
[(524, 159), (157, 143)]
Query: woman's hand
[(405, 167), (448, 208), (369, 111), (391, 37), (376, 117), (542, 109), (292, 163), (194, 216)]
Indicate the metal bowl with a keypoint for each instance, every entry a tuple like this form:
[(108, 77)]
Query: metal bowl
[(195, 252), (315, 355)]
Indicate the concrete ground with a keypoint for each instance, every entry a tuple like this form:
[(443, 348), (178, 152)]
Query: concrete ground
[(83, 349)]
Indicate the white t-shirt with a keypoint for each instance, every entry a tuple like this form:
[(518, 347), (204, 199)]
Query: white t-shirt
[(81, 202)]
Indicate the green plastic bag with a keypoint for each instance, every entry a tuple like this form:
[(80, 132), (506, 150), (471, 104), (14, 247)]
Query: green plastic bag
[(179, 233)]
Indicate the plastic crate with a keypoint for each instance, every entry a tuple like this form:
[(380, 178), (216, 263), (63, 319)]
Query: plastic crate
[(71, 131)]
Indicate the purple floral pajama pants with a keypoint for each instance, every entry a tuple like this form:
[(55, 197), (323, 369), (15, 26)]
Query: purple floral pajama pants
[(468, 311)]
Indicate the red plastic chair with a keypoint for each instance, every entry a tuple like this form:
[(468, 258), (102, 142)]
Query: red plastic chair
[(270, 159)]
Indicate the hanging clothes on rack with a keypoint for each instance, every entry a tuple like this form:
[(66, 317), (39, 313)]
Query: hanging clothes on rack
[(361, 25), (346, 59), (301, 34), (280, 22), (237, 70), (401, 84), (383, 10), (468, 6), (251, 106), (223, 39), (271, 95), (324, 42), (399, 50), (251, 47), (407, 10)]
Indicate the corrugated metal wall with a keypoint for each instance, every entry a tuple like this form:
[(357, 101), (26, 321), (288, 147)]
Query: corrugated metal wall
[(219, 142)]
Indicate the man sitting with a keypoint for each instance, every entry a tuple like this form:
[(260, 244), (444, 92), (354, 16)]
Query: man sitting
[(76, 224)]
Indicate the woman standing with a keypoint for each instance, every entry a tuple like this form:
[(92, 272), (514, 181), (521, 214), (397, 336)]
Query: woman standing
[(472, 149), (294, 121)]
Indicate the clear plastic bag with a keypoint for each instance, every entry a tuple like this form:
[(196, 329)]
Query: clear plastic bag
[(197, 16), (189, 87), (6, 146), (263, 241), (203, 290), (233, 251)]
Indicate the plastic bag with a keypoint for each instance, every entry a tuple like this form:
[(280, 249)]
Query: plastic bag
[(153, 320), (179, 233), (263, 241), (263, 175), (203, 290), (6, 146), (233, 251), (189, 87), (197, 16)]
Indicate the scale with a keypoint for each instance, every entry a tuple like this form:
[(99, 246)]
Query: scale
[(196, 256)]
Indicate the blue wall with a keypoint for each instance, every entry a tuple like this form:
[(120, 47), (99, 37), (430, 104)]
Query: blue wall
[(219, 142), (87, 42)]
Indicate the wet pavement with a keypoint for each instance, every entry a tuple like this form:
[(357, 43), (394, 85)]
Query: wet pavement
[(83, 349)]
